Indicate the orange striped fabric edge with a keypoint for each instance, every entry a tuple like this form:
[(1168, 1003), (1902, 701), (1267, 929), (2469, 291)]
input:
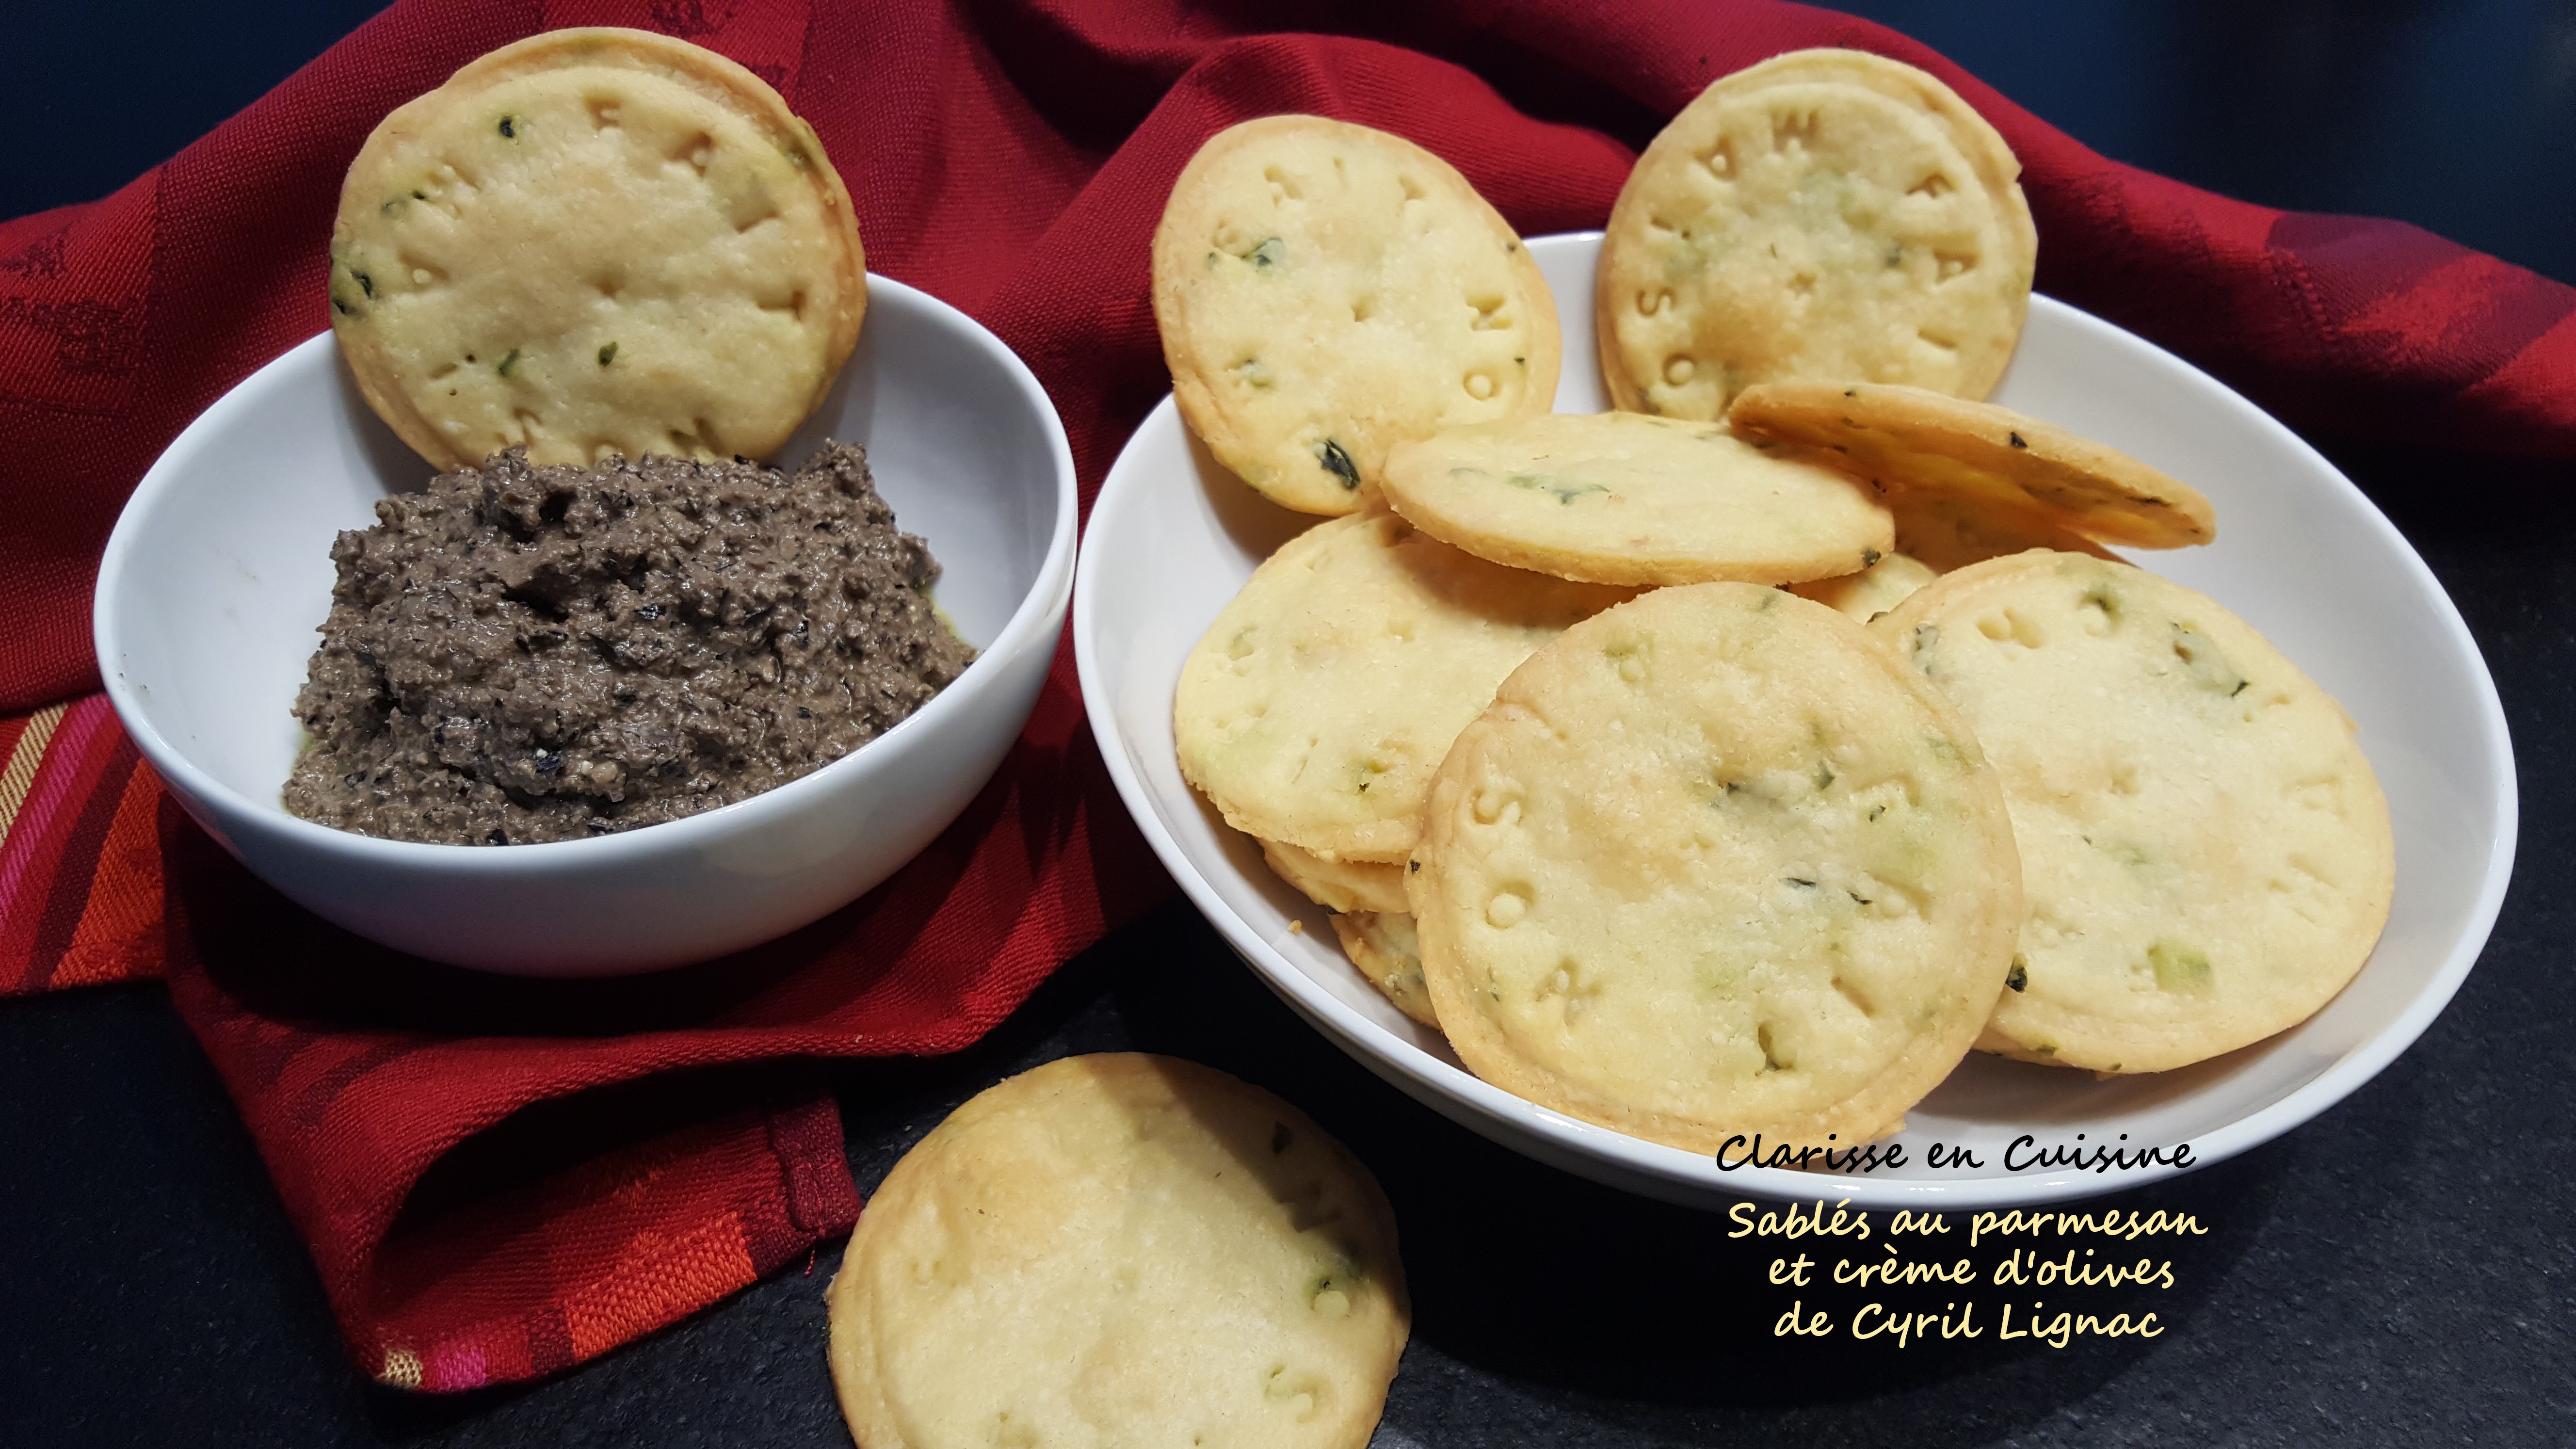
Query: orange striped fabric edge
[(80, 860)]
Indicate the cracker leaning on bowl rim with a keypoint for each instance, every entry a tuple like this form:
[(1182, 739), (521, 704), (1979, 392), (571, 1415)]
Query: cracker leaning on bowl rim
[(595, 241), (1915, 439)]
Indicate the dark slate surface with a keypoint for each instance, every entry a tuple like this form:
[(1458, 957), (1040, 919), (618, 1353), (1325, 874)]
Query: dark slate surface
[(2396, 1272)]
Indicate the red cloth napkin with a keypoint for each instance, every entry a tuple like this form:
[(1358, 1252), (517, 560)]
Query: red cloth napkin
[(500, 1179)]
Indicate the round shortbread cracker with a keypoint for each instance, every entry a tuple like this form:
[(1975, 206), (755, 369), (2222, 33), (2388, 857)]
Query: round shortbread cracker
[(2205, 850), (1334, 883), (1120, 1249), (1919, 441), (591, 242), (1984, 148), (1716, 863), (1326, 291), (1382, 946), (1621, 498), (1871, 592), (1825, 214), (1315, 708)]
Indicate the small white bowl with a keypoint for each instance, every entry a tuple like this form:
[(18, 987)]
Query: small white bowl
[(220, 571), (2301, 554)]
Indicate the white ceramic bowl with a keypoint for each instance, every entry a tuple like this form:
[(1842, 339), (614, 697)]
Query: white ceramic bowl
[(2301, 554), (219, 572)]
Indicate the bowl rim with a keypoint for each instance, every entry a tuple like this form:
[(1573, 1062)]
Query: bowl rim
[(1641, 1165), (171, 472)]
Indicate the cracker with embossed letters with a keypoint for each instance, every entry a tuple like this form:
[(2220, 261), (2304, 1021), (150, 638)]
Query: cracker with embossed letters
[(1824, 214), (590, 242), (1326, 291), (1315, 708), (1716, 862), (2206, 852)]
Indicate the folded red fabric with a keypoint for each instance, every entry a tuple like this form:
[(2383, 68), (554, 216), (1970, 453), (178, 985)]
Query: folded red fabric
[(500, 1179)]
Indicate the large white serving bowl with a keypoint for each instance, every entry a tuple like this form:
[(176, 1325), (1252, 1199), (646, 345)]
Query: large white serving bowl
[(2302, 555), (220, 570)]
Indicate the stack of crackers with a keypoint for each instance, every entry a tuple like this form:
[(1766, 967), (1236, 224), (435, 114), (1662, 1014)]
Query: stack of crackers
[(1737, 760)]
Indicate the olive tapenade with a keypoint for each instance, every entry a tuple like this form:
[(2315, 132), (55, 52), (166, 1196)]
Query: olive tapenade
[(523, 654)]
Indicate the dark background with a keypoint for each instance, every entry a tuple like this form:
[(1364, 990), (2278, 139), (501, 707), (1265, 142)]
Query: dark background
[(2458, 116), (2398, 1271)]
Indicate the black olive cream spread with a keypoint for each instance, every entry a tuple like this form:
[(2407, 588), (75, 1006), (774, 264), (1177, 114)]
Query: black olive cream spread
[(525, 654)]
